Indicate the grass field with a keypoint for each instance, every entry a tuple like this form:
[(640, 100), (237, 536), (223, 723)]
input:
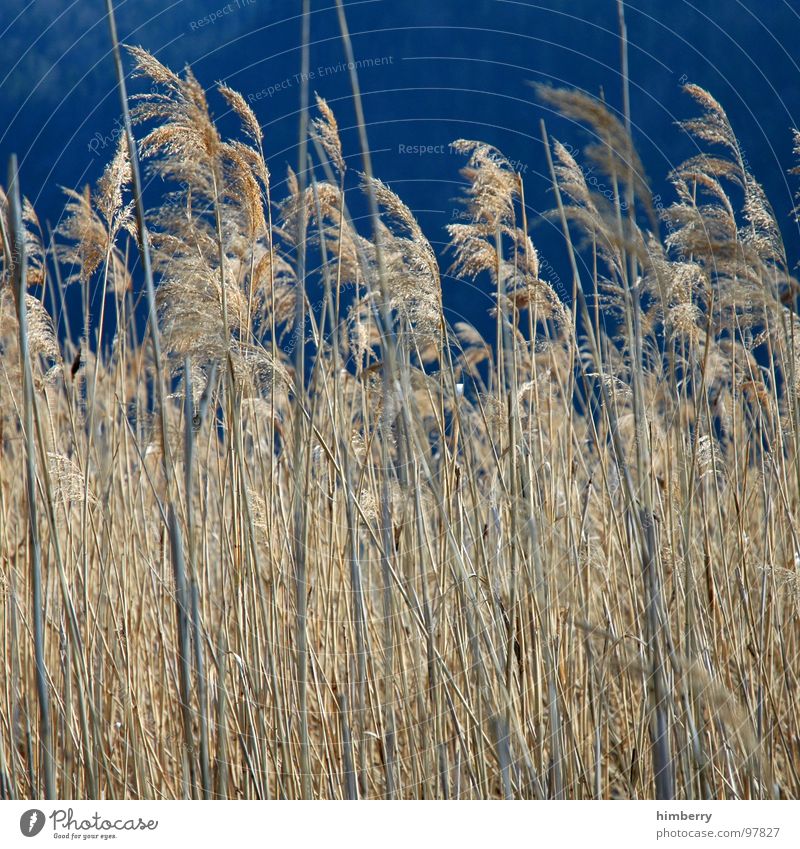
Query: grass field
[(288, 544)]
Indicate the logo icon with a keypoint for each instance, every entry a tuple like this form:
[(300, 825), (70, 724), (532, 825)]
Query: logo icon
[(31, 822)]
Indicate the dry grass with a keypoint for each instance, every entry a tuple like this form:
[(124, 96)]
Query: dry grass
[(576, 578)]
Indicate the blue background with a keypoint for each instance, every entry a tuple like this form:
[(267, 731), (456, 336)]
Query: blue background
[(451, 69)]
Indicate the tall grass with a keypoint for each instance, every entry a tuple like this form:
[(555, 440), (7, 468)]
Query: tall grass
[(348, 550)]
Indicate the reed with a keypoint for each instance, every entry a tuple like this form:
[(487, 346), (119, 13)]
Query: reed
[(280, 549)]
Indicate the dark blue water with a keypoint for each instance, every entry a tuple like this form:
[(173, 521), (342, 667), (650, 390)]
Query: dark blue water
[(434, 71)]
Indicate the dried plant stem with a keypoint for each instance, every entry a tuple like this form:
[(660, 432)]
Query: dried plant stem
[(20, 289)]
